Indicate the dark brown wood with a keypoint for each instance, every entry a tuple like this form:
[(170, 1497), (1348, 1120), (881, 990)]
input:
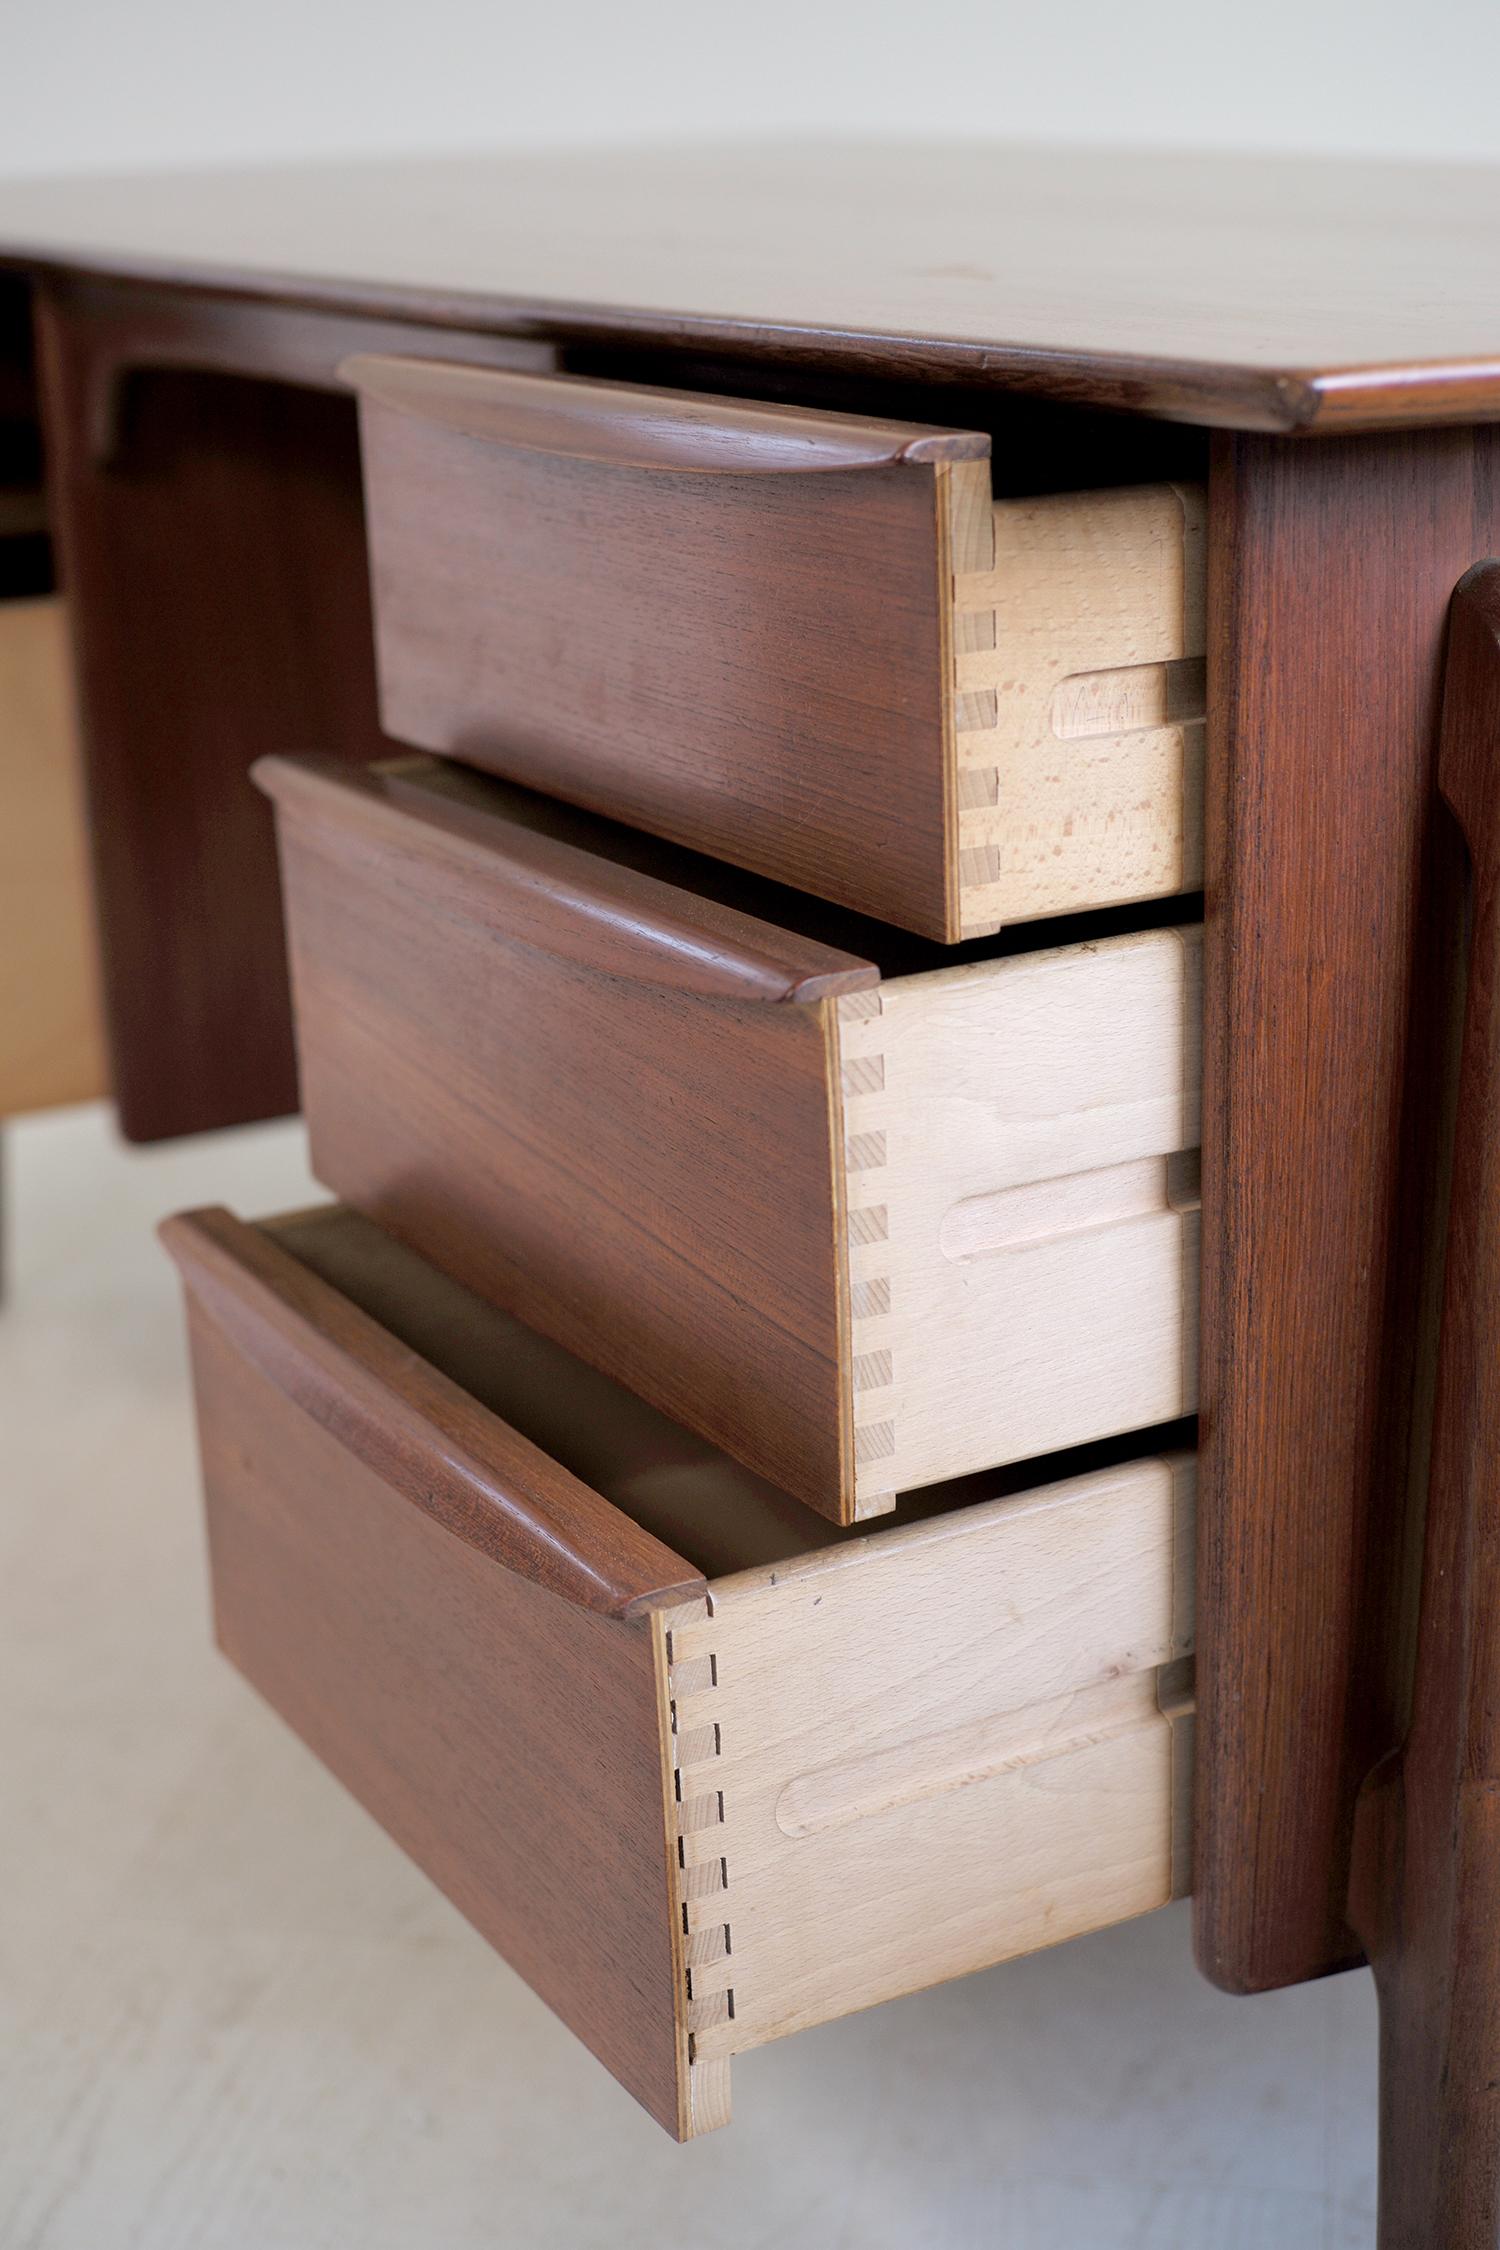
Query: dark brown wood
[(416, 1431), (215, 568), (643, 1170), (1325, 1003), (508, 1739), (1426, 1893), (1260, 293), (753, 665), (212, 538), (532, 887), (628, 426), (125, 329)]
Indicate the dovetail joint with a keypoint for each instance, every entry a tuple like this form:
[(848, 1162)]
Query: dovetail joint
[(702, 1865), (976, 715), (864, 1073)]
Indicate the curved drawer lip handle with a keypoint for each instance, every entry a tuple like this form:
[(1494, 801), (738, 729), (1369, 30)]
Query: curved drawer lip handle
[(540, 891), (419, 1432), (629, 426)]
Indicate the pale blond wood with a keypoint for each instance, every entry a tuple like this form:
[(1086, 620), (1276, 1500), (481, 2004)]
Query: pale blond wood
[(51, 1044), (1078, 701), (686, 1672), (928, 1750), (1020, 1224)]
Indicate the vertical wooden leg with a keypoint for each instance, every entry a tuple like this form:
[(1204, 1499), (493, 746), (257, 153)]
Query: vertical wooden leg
[(214, 561), (1425, 1897)]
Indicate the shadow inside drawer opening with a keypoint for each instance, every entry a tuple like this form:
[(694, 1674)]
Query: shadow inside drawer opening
[(709, 1509), (428, 783)]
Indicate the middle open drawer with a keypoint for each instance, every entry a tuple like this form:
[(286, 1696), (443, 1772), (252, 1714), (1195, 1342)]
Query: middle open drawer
[(866, 1216)]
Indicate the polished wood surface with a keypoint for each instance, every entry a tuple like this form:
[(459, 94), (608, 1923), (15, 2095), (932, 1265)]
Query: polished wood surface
[(692, 613), (416, 1431), (1426, 1894), (211, 533), (642, 1170), (872, 1773), (215, 569), (51, 1035), (1328, 943), (1259, 293), (627, 426), (508, 1738), (864, 1236), (757, 664), (928, 1752), (545, 881)]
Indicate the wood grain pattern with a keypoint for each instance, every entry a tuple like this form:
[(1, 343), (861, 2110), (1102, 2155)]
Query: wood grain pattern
[(1080, 705), (1021, 1205), (215, 567), (125, 330), (688, 613), (1426, 1891), (1326, 977), (753, 665), (507, 1738), (645, 1174), (534, 887), (51, 1039), (930, 1749), (873, 1775), (638, 1118), (414, 1430), (212, 535), (1260, 293)]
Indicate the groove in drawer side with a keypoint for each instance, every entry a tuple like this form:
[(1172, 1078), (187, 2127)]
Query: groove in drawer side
[(931, 1749), (1080, 699)]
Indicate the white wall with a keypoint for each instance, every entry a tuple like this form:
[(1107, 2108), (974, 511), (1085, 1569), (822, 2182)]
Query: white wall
[(100, 84)]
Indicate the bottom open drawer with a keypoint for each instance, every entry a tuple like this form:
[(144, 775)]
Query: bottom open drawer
[(704, 1769)]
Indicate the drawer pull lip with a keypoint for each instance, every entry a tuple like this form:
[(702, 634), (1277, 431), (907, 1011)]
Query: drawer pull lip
[(626, 426), (539, 891), (428, 1439)]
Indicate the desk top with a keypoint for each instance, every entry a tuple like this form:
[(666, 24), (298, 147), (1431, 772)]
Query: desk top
[(1259, 293)]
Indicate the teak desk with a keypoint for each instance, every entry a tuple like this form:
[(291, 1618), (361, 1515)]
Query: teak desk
[(1318, 346)]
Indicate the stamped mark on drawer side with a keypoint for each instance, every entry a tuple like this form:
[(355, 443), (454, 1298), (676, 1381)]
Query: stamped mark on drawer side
[(1078, 1202)]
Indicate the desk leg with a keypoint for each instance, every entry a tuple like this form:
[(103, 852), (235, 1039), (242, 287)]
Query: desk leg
[(1426, 1892), (1328, 964), (214, 560)]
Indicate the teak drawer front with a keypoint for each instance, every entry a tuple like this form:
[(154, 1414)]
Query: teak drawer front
[(865, 1236), (51, 1034), (809, 643), (696, 1813)]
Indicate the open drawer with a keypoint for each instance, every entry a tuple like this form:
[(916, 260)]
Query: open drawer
[(866, 1217), (703, 1770), (814, 644)]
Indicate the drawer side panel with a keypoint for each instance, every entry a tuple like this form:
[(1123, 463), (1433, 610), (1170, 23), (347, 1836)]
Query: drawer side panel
[(943, 1747), (1022, 1235), (1081, 704)]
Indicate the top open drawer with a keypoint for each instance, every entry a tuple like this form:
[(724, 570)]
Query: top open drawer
[(809, 643)]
